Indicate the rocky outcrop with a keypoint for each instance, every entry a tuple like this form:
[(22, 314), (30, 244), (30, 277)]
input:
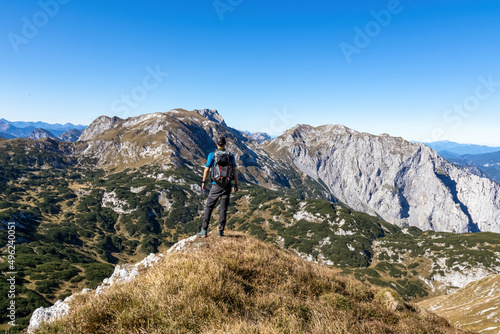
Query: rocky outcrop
[(260, 137), (122, 273), (98, 126), (212, 115), (402, 182)]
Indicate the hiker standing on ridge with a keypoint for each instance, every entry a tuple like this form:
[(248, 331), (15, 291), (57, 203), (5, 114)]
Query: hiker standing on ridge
[(223, 166)]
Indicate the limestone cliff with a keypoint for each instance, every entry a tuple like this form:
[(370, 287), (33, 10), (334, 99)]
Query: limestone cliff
[(402, 182)]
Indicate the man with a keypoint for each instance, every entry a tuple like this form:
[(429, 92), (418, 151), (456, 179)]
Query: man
[(223, 166)]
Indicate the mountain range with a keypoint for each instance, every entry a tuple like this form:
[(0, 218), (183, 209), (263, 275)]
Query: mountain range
[(483, 161), (404, 183), (48, 126), (461, 149), (486, 164), (351, 200), (37, 130)]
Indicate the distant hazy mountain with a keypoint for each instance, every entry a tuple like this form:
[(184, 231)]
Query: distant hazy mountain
[(488, 164), (14, 131), (67, 132), (5, 135), (460, 149), (47, 126), (479, 160), (258, 137), (42, 133)]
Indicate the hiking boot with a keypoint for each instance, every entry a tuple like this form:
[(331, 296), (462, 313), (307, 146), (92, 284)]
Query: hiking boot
[(220, 233), (203, 233)]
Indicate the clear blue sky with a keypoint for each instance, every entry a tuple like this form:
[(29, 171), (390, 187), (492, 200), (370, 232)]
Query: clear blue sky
[(265, 65)]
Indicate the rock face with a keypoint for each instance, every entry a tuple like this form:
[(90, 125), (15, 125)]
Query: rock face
[(98, 126), (403, 183), (42, 133), (212, 115), (71, 135), (260, 137)]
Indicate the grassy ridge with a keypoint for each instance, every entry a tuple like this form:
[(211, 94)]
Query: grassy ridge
[(241, 285), (473, 307)]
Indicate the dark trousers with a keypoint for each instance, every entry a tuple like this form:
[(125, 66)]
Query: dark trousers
[(217, 192)]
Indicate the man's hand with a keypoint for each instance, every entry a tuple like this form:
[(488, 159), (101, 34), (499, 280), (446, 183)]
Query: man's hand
[(236, 188), (204, 186)]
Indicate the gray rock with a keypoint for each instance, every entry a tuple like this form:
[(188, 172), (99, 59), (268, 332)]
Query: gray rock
[(98, 126), (71, 135), (260, 137), (41, 314), (212, 115), (407, 184), (402, 182)]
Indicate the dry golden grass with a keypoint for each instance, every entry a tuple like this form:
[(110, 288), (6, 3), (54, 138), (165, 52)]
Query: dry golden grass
[(473, 307), (238, 284)]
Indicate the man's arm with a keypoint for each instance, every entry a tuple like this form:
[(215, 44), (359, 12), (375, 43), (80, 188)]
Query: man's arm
[(205, 177), (235, 173)]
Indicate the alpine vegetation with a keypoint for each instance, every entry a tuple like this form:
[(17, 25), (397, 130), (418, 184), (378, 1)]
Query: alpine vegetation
[(241, 285)]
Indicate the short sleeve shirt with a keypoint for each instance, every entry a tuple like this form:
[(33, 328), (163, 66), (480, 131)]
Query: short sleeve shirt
[(211, 157)]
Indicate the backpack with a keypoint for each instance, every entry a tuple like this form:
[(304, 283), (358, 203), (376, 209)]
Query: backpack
[(222, 171)]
